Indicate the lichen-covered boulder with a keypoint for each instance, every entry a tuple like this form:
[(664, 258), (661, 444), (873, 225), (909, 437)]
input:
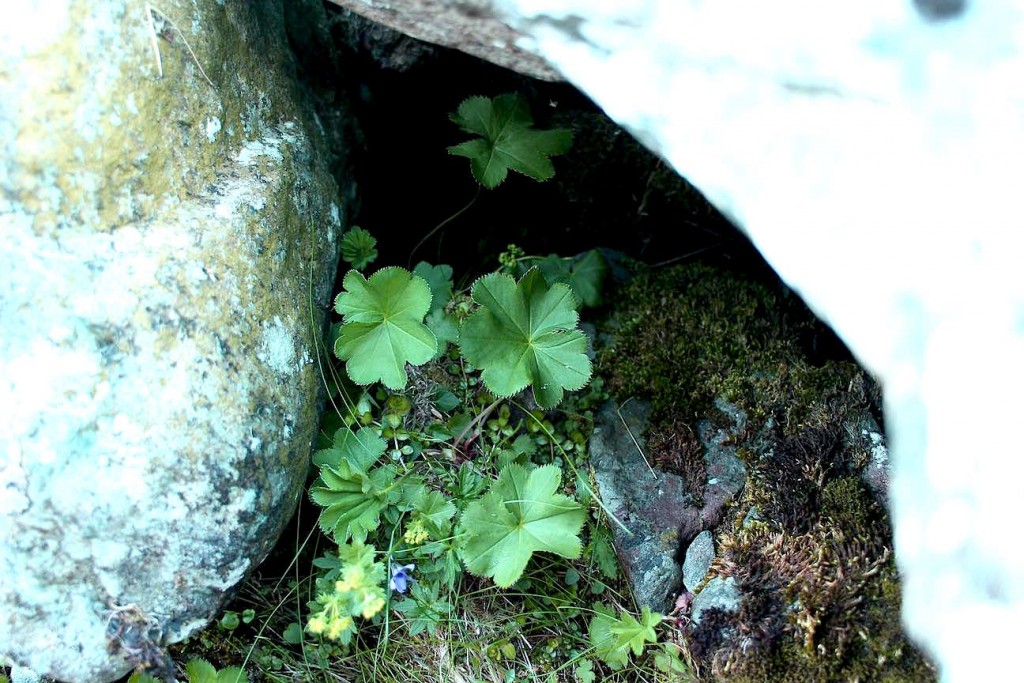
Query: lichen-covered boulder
[(169, 239)]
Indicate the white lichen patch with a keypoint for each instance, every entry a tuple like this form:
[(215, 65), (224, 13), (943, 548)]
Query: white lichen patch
[(879, 452), (252, 151), (333, 223), (249, 190), (277, 348), (212, 128), (107, 553)]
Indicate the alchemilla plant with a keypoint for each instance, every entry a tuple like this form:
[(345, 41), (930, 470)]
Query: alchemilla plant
[(446, 463), (452, 470), (415, 506)]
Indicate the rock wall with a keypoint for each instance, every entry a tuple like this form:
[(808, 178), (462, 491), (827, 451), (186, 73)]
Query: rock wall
[(169, 240)]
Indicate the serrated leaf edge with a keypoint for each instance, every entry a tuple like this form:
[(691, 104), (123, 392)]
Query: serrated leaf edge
[(366, 280)]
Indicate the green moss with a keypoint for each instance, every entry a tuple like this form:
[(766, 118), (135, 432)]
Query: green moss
[(691, 334), (872, 650), (821, 590), (821, 599), (849, 505), (821, 606)]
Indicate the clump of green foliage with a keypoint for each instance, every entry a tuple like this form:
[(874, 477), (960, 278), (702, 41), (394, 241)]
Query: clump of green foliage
[(512, 335), (442, 475), (518, 333), (426, 504), (199, 671), (451, 488)]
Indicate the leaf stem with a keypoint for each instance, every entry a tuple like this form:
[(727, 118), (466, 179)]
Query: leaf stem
[(484, 414), (443, 223)]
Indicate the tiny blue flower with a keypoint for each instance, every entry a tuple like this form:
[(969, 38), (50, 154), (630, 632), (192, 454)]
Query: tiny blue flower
[(401, 577)]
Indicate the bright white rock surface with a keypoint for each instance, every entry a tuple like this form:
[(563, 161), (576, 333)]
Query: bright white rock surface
[(873, 151)]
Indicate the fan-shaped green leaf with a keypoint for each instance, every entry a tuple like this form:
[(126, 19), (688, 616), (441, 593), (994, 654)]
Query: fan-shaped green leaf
[(520, 515), (383, 328), (232, 674), (200, 671), (507, 140), (440, 280), (524, 334), (352, 500), (358, 247), (584, 274), (359, 449), (436, 512)]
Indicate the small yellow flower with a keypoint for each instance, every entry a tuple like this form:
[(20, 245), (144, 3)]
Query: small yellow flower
[(338, 626), (372, 605), (415, 533), (316, 624), (352, 578)]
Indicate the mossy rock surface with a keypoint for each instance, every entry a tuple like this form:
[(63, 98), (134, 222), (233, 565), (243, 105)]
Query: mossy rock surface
[(807, 541)]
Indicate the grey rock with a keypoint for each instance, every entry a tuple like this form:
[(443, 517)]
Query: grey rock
[(472, 26), (651, 504), (726, 472), (718, 593), (863, 434), (389, 47), (170, 238), (698, 559), (655, 506)]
